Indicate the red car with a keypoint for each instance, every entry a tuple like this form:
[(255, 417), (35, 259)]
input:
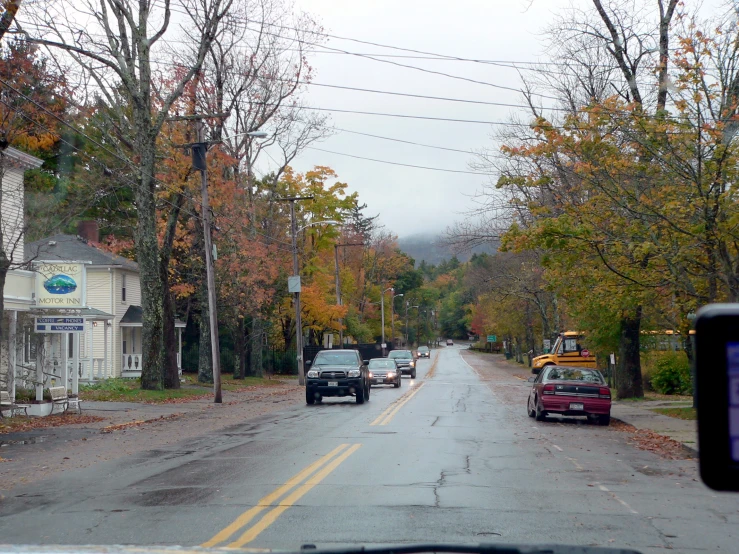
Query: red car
[(570, 391)]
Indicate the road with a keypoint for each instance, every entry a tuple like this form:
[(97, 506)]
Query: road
[(447, 457)]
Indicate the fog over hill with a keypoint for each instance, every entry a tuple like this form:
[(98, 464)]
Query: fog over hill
[(428, 247)]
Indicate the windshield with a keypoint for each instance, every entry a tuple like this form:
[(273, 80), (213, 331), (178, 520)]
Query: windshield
[(232, 231), (381, 364), (335, 358), (569, 374)]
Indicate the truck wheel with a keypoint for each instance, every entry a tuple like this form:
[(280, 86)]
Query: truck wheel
[(397, 383), (310, 398), (413, 374), (604, 419), (360, 395)]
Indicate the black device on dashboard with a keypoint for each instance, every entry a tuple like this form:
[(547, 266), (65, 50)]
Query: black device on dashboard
[(717, 390)]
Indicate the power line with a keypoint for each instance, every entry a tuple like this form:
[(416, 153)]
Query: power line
[(397, 163), (406, 141)]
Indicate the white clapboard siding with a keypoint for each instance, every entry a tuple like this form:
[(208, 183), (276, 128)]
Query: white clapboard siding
[(12, 213), (98, 296)]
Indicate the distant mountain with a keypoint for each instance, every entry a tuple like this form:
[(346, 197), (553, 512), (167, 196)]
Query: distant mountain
[(427, 247)]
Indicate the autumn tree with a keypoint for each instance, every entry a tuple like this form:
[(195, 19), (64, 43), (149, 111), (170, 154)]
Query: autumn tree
[(118, 48)]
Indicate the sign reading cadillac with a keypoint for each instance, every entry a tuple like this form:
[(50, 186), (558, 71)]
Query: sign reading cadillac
[(60, 285)]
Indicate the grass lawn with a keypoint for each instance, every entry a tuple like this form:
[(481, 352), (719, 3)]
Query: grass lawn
[(657, 396), (129, 390), (680, 413)]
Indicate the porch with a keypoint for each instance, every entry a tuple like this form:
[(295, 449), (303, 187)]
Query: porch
[(131, 327)]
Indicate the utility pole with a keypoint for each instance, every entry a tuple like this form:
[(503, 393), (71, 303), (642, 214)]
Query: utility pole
[(338, 285), (199, 162), (296, 291), (199, 150), (382, 311)]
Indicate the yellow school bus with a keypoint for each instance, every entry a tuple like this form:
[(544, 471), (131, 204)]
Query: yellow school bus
[(567, 350)]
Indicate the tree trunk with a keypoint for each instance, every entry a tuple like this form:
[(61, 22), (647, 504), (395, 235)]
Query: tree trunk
[(172, 372), (147, 253), (255, 363), (239, 340), (205, 361), (629, 356)]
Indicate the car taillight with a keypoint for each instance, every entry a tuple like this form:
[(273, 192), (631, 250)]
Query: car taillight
[(604, 392), (548, 389)]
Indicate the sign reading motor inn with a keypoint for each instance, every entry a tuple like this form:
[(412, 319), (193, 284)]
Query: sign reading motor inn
[(60, 284)]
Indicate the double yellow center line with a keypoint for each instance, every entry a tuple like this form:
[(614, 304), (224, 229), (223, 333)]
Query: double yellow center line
[(309, 477), (389, 413)]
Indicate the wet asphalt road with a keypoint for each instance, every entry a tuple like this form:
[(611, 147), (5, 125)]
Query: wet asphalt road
[(444, 458)]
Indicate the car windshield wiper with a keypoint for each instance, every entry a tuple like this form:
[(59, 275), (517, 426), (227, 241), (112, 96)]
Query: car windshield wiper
[(482, 548)]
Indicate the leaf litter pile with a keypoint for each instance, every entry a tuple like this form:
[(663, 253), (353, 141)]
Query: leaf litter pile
[(19, 424), (645, 439)]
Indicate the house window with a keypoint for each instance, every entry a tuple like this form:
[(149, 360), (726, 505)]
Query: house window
[(123, 288), (70, 346), (125, 351)]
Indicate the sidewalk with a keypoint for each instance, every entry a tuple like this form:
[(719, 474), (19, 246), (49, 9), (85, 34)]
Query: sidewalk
[(642, 417)]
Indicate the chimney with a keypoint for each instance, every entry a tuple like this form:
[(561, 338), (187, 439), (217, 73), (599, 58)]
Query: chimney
[(89, 230)]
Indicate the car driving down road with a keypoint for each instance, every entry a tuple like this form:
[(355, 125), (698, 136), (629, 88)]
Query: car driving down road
[(405, 360), (337, 373), (570, 391), (384, 371)]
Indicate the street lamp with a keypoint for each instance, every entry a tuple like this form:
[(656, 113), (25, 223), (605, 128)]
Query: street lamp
[(392, 317), (382, 311)]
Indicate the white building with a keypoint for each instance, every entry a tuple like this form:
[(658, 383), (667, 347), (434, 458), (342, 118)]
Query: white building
[(96, 293)]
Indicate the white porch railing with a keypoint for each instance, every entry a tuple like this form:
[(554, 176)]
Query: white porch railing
[(131, 362)]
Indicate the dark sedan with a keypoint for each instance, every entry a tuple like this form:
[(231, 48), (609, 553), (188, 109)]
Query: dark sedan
[(424, 352), (570, 391), (337, 373), (384, 371), (405, 360)]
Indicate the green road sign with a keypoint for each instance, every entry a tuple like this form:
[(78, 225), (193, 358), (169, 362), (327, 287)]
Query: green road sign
[(492, 338)]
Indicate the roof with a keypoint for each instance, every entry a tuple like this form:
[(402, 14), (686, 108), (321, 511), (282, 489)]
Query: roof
[(72, 248), (88, 313), (21, 160), (134, 317)]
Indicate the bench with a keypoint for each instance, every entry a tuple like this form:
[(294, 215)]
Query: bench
[(7, 404), (60, 397)]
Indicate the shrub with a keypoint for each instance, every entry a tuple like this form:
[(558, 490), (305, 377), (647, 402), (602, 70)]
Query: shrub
[(671, 375)]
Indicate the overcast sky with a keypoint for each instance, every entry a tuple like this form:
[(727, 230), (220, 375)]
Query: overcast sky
[(416, 200)]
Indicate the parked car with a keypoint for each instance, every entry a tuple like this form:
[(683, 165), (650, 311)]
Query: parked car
[(337, 373), (405, 360), (384, 371), (449, 342), (424, 352), (570, 391)]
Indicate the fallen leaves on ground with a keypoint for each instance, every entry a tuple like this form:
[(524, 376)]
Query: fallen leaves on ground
[(137, 423), (645, 439), (18, 424)]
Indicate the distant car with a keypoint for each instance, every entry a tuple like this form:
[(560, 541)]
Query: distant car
[(449, 342), (424, 352), (406, 362), (570, 391), (337, 373), (384, 371)]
